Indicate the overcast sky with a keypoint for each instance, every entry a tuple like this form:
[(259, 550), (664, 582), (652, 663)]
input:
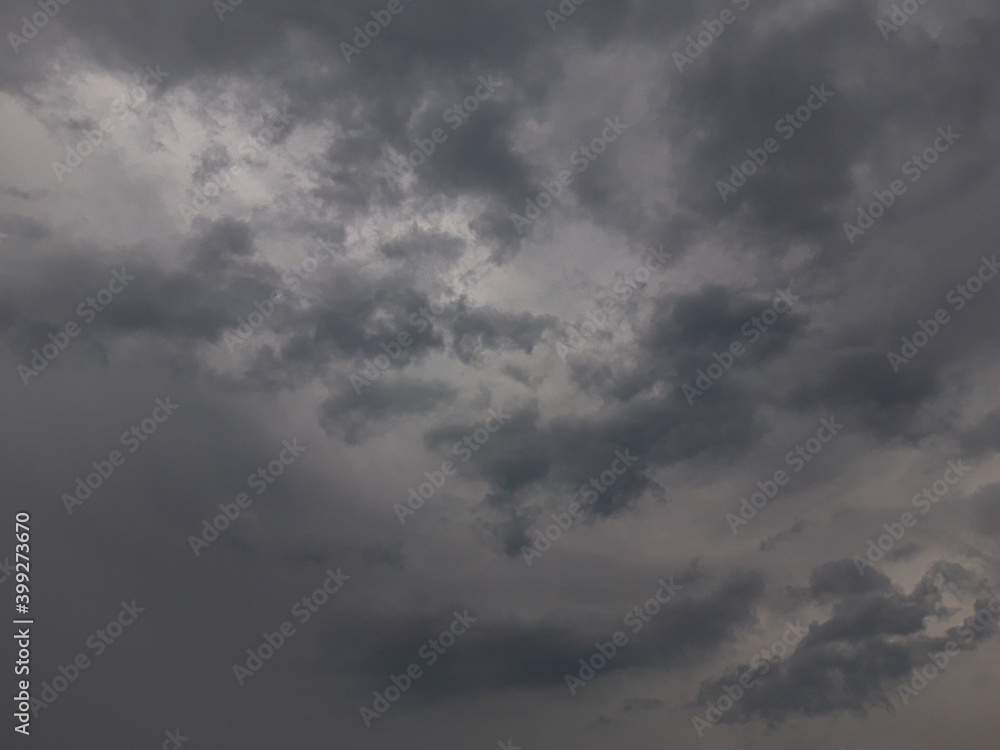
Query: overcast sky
[(656, 335)]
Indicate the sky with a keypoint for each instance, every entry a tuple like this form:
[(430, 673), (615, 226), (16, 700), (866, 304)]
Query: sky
[(515, 375)]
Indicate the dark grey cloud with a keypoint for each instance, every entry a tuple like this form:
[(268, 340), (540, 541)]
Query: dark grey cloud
[(875, 636), (986, 503), (477, 330), (767, 545), (355, 415), (427, 307), (500, 653)]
